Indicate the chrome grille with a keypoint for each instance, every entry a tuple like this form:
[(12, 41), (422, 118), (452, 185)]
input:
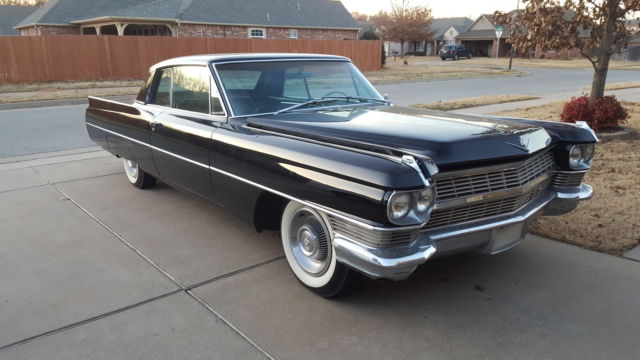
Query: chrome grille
[(568, 179), (453, 187), (370, 237), (484, 209)]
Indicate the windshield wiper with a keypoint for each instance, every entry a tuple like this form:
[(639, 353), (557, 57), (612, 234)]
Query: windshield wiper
[(349, 98), (306, 103)]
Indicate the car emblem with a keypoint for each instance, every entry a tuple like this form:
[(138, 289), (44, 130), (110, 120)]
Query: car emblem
[(524, 144)]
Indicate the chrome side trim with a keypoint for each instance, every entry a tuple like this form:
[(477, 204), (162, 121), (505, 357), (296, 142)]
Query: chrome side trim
[(411, 161), (279, 193), (337, 146)]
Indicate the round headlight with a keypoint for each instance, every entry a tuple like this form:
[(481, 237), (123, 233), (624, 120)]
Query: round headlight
[(580, 156), (575, 156), (425, 199), (399, 205), (587, 152)]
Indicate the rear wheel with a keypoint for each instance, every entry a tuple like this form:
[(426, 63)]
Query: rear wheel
[(136, 176), (456, 57), (306, 240), (469, 55)]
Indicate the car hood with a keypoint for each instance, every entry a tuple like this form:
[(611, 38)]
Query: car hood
[(446, 138)]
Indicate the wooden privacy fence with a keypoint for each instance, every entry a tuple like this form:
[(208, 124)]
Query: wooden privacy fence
[(75, 57)]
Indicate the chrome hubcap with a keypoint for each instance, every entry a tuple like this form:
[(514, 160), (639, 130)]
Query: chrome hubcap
[(309, 242), (131, 168)]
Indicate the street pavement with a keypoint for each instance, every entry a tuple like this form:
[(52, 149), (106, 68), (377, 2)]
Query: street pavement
[(92, 267), (537, 82)]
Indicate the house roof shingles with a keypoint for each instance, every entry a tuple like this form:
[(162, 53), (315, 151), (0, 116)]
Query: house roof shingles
[(442, 25), (477, 35), (11, 15), (288, 13)]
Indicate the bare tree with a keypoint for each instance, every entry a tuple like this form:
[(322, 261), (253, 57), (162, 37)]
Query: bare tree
[(595, 27), (405, 23), (359, 17)]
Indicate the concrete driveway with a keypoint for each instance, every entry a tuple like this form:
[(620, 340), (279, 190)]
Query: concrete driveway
[(91, 267)]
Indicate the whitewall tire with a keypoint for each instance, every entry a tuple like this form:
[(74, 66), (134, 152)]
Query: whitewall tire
[(136, 176), (306, 239)]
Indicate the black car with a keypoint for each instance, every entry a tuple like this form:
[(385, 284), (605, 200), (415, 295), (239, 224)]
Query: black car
[(454, 52), (305, 145)]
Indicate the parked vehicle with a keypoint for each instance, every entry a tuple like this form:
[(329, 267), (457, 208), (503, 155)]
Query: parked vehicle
[(305, 145), (454, 52)]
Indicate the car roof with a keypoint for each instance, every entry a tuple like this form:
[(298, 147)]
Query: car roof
[(241, 57)]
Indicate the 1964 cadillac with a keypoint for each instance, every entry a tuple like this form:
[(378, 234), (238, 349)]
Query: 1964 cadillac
[(304, 144)]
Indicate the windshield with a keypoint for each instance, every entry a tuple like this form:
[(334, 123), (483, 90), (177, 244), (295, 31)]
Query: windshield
[(269, 87)]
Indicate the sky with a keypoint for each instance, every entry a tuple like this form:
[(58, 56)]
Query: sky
[(440, 8)]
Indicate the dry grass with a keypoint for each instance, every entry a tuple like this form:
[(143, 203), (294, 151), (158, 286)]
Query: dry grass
[(474, 101), (503, 63), (67, 85), (415, 70), (623, 85), (14, 97), (610, 221)]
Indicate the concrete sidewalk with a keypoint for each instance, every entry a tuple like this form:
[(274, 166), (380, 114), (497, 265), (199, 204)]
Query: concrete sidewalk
[(92, 267)]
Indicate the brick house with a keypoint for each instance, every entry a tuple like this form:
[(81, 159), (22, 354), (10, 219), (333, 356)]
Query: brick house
[(446, 31), (266, 19), (481, 38)]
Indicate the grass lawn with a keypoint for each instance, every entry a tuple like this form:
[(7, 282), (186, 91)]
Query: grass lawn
[(416, 70), (503, 63), (474, 101), (610, 221), (12, 93)]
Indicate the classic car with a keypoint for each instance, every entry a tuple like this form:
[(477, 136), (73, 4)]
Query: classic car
[(303, 144)]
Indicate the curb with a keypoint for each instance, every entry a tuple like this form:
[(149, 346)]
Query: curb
[(633, 254)]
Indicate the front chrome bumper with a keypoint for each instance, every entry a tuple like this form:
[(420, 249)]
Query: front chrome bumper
[(488, 236)]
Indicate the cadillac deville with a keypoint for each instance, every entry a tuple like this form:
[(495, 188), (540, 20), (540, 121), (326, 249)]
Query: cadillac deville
[(303, 144)]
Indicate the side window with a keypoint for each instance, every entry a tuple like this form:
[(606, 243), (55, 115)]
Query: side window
[(163, 91), (216, 105), (190, 89)]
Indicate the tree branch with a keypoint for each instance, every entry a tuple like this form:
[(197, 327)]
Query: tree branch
[(594, 63)]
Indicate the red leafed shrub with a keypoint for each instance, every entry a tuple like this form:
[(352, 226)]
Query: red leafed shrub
[(605, 113)]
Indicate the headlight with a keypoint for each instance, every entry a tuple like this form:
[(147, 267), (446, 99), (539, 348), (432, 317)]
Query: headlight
[(581, 156), (399, 205), (410, 207), (425, 200)]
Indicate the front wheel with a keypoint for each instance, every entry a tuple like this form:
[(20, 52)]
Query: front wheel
[(136, 176), (469, 56), (456, 57), (306, 240)]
